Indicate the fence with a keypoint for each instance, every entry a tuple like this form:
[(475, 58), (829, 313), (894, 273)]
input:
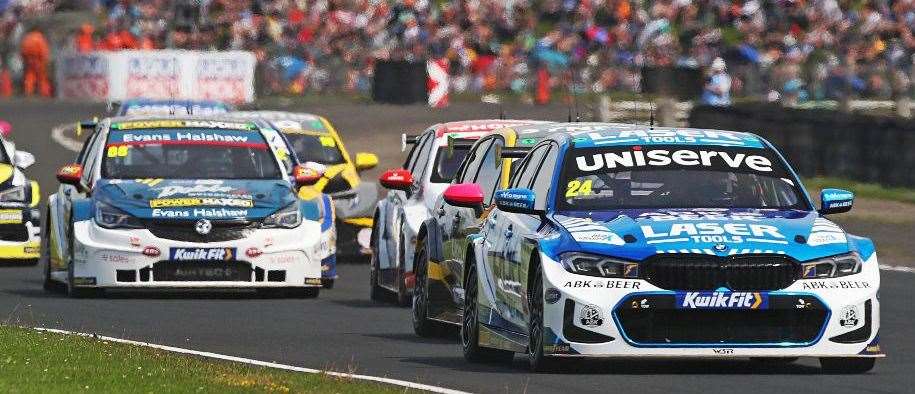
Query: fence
[(817, 142)]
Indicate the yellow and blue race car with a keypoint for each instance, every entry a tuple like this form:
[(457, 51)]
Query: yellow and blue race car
[(314, 139), (19, 215)]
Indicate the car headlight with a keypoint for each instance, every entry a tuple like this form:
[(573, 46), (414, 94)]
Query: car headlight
[(832, 267), (110, 217), (16, 194), (289, 217), (601, 266)]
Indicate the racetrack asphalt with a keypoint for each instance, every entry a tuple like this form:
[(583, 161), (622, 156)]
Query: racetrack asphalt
[(343, 330)]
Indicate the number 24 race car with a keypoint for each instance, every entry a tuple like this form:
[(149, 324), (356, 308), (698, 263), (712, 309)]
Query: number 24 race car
[(616, 240)]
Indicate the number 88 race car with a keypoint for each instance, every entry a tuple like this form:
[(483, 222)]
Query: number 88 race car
[(184, 202), (627, 241)]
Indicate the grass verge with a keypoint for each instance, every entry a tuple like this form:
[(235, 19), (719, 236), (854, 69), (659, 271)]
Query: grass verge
[(862, 189), (40, 362)]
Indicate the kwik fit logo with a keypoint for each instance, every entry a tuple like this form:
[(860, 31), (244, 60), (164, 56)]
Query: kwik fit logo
[(215, 254), (722, 300)]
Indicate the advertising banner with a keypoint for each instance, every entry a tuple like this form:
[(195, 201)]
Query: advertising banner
[(162, 74)]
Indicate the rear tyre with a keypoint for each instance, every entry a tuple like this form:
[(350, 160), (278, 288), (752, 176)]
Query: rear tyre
[(470, 326), (327, 283), (847, 365), (45, 248), (422, 325), (537, 361)]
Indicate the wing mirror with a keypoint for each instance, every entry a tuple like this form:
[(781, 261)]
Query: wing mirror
[(307, 174), (517, 200), (467, 195), (23, 159), (836, 201), (70, 174), (365, 161), (399, 179), (86, 126)]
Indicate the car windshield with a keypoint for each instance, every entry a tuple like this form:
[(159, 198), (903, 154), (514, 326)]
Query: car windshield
[(317, 148), (188, 153), (676, 177), (447, 163)]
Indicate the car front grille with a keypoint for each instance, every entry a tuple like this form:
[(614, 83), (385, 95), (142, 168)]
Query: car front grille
[(183, 230), (655, 321), (13, 232), (706, 272), (201, 271)]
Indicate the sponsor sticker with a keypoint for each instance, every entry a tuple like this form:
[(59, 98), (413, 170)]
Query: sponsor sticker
[(850, 316), (218, 213), (722, 300), (711, 232), (176, 123), (207, 254), (834, 284), (10, 216), (200, 201), (602, 284), (680, 158), (591, 316)]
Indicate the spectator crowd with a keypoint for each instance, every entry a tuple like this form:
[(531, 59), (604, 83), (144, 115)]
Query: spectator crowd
[(779, 50)]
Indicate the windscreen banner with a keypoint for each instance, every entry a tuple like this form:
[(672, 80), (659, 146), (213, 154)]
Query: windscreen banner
[(167, 74)]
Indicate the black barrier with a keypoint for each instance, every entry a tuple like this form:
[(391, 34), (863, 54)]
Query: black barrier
[(680, 82), (399, 82), (818, 142)]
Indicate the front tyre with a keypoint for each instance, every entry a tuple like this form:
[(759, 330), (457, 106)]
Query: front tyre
[(377, 293), (847, 365), (537, 361), (403, 296), (470, 326), (422, 325)]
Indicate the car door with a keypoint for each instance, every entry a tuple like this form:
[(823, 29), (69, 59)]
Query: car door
[(62, 210), (526, 231), (504, 244), (455, 224)]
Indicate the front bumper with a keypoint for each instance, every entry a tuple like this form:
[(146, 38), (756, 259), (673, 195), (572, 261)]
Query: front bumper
[(597, 317), (20, 233), (108, 258)]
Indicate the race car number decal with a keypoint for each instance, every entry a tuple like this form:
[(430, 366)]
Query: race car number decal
[(118, 150), (577, 188), (722, 300)]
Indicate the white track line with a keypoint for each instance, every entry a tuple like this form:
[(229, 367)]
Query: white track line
[(396, 382), (58, 134), (897, 268)]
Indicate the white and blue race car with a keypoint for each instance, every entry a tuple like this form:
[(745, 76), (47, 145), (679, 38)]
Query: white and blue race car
[(184, 202), (630, 241)]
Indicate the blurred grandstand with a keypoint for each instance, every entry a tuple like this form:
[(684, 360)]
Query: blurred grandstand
[(791, 51)]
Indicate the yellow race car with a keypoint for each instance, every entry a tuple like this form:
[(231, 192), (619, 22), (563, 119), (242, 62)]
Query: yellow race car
[(20, 218), (314, 139)]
